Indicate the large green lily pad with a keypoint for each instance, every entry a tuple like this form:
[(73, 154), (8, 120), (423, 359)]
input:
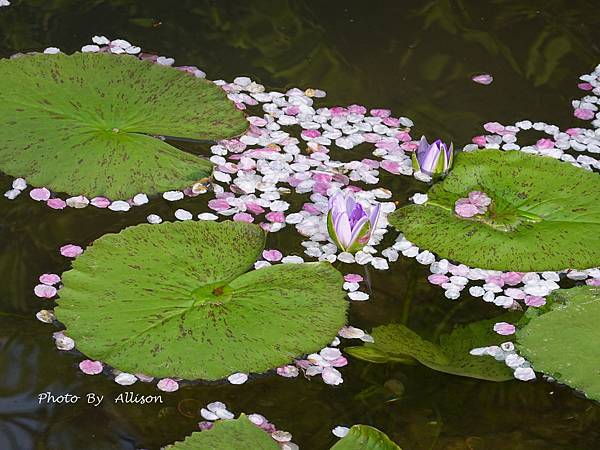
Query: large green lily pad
[(84, 124), (563, 339), (175, 299), (235, 434), (364, 437), (397, 343), (545, 214)]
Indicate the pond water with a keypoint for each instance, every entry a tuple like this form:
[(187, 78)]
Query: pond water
[(414, 57)]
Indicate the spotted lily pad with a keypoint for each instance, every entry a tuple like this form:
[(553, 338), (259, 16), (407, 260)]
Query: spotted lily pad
[(545, 214), (175, 299), (235, 434), (363, 437), (85, 123), (562, 339), (397, 343)]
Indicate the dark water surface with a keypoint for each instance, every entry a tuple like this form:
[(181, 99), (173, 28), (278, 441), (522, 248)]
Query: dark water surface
[(415, 57)]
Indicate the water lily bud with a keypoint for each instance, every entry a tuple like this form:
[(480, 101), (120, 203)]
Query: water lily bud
[(433, 159)]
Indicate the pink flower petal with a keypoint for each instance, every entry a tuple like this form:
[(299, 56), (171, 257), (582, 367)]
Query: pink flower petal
[(56, 203), (504, 328), (168, 385), (438, 279), (353, 278), (100, 202), (90, 367), (49, 279), (545, 143), (512, 278), (278, 217), (71, 250), (484, 78), (585, 86), (494, 127), (479, 140), (272, 255), (535, 301), (40, 194), (584, 114), (44, 291), (243, 217)]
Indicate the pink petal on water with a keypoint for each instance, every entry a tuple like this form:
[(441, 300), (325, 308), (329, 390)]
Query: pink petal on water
[(504, 328), (512, 278), (383, 113), (272, 255), (287, 371), (71, 250), (391, 166), (494, 127), (205, 425), (56, 203), (44, 291), (535, 301), (40, 194), (90, 367), (497, 280), (438, 279), (584, 114), (167, 385), (353, 278), (484, 78), (545, 143), (479, 140), (585, 86), (49, 279), (273, 216), (243, 217), (100, 202), (593, 282)]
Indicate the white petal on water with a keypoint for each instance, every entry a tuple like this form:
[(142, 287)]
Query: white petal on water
[(119, 205), (125, 379), (340, 431), (358, 296), (173, 195), (153, 218), (182, 214), (237, 378)]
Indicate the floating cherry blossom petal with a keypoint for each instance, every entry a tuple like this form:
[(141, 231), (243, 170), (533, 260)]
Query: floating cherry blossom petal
[(56, 203), (90, 367), (237, 378), (504, 328), (71, 250), (484, 78), (49, 279), (168, 385), (272, 255), (40, 194), (44, 291)]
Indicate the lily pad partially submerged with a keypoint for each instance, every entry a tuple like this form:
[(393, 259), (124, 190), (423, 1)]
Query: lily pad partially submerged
[(545, 214), (561, 340), (176, 300), (84, 124), (397, 343), (234, 434), (364, 437)]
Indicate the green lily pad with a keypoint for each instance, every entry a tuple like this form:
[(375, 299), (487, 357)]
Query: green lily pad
[(545, 214), (397, 343), (563, 339), (364, 437), (84, 124), (175, 299), (235, 434)]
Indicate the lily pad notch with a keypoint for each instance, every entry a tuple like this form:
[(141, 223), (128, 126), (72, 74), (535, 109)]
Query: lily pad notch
[(544, 216), (177, 300), (86, 124)]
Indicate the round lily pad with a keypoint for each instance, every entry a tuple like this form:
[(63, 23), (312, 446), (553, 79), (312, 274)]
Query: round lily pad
[(364, 437), (234, 434), (545, 214), (562, 339), (175, 299), (85, 123)]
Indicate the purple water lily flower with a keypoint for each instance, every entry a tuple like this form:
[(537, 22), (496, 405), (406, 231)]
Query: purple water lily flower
[(433, 159), (348, 224)]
